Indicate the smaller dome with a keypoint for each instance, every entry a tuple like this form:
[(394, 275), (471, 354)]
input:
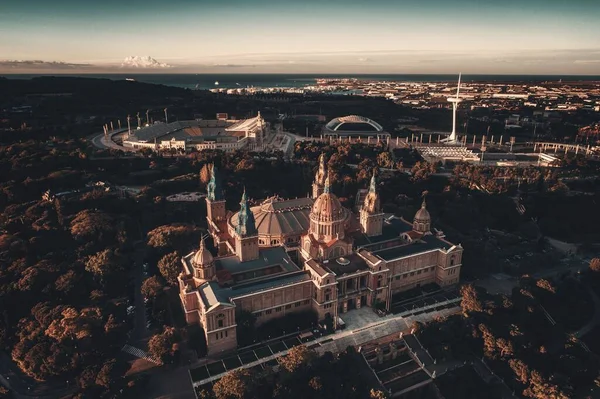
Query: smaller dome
[(422, 214), (203, 257)]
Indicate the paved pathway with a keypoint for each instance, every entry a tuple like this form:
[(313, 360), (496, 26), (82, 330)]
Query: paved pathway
[(339, 341)]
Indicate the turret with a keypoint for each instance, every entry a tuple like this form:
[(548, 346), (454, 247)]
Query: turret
[(246, 235), (320, 177), (422, 221), (371, 217), (203, 263), (215, 202)]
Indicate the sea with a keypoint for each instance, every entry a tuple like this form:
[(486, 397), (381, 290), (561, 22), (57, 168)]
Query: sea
[(210, 81)]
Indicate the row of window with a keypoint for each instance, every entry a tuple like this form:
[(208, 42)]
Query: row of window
[(220, 335), (328, 305), (426, 270), (453, 271), (279, 308)]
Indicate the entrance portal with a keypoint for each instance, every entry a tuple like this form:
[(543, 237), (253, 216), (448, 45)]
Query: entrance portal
[(351, 304)]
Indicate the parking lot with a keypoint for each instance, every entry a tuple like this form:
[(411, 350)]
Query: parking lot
[(248, 356)]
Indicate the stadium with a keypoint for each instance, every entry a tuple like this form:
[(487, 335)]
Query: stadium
[(218, 134)]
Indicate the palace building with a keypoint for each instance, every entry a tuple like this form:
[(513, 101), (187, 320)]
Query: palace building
[(286, 256)]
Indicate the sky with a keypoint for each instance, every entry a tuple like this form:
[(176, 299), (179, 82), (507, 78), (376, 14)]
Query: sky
[(302, 36)]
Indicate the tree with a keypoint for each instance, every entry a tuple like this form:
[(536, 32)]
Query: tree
[(595, 265), (152, 287), (298, 357), (545, 285), (110, 374), (234, 385), (377, 394), (520, 369), (470, 299), (89, 224), (160, 346), (104, 263), (170, 267), (315, 383), (385, 160)]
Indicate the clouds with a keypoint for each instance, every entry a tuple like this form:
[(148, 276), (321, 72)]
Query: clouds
[(382, 61), (40, 65)]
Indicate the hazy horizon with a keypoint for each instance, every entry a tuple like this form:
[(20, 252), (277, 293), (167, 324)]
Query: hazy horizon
[(336, 37)]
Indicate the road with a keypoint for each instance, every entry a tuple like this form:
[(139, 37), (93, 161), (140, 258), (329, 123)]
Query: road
[(105, 142)]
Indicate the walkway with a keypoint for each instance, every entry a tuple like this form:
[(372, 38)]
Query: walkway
[(339, 341)]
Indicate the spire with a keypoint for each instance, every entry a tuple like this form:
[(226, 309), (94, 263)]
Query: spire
[(214, 185), (424, 195), (326, 188), (322, 172), (373, 186), (202, 246), (246, 223)]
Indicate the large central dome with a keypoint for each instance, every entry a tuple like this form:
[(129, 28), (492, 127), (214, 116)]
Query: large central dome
[(327, 208), (327, 216)]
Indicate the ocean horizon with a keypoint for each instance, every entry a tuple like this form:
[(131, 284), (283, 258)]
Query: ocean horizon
[(262, 80)]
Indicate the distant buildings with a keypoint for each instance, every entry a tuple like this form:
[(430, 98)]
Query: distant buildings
[(286, 256), (218, 134)]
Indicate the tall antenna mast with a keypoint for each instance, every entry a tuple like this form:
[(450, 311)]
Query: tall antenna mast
[(454, 101)]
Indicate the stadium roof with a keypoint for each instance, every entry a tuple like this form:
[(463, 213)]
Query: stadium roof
[(353, 123)]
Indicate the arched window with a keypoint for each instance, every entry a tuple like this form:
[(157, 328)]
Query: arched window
[(452, 261), (220, 320)]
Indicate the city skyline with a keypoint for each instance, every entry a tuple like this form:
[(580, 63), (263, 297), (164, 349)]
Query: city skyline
[(540, 37)]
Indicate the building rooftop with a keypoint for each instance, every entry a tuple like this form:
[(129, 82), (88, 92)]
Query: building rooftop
[(275, 256), (426, 243), (347, 264), (276, 216), (264, 284), (196, 130), (353, 123), (212, 294)]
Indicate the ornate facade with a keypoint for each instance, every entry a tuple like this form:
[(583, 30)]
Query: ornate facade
[(286, 256)]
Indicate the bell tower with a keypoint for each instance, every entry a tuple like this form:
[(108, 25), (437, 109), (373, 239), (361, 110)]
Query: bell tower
[(246, 234), (371, 217), (215, 202)]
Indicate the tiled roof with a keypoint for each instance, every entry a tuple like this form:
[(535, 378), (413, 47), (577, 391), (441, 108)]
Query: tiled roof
[(276, 216), (273, 282), (426, 243), (267, 257)]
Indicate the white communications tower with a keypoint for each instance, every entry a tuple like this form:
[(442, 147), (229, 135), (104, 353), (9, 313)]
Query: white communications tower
[(454, 100)]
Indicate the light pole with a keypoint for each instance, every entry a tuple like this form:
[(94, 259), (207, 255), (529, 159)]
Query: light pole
[(166, 116)]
